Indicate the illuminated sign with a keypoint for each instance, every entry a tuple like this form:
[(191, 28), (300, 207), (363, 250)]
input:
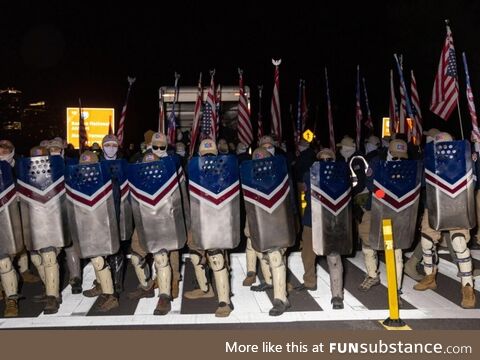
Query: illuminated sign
[(97, 122), (385, 127), (308, 135)]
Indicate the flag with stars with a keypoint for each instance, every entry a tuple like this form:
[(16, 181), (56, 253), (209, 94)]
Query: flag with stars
[(445, 88)]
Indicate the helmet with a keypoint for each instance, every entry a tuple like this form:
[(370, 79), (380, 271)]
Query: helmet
[(260, 153), (88, 157), (398, 148), (207, 146)]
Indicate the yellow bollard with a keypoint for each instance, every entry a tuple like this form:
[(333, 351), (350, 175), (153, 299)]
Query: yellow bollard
[(394, 319)]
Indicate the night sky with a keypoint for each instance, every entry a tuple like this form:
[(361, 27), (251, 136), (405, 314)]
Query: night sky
[(79, 50)]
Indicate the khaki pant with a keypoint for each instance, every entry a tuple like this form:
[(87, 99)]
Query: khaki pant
[(174, 256), (308, 258), (436, 235)]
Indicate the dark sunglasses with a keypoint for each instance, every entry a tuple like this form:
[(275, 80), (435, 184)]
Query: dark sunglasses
[(155, 147), (397, 158), (327, 160)]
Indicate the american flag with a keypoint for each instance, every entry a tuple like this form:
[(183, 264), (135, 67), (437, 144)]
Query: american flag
[(82, 131), (218, 107), (417, 114), (403, 90), (172, 118), (172, 127), (121, 125), (244, 126), (209, 118), (358, 111), (330, 115), (304, 107), (369, 121), (260, 131), (393, 108), (402, 123), (445, 88), (275, 107), (298, 124), (196, 116), (110, 130), (161, 113), (475, 137)]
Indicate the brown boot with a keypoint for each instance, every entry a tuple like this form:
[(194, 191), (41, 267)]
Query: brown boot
[(199, 294), (223, 309), (163, 306), (96, 290), (107, 302), (428, 282), (11, 308), (250, 279), (141, 292), (52, 305), (468, 297), (29, 277)]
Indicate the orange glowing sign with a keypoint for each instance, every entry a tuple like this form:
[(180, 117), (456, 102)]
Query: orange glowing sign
[(385, 127), (97, 122)]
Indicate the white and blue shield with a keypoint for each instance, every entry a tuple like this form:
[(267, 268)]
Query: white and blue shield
[(396, 196), (117, 170), (91, 210), (450, 185), (331, 208), (157, 204), (11, 240), (41, 188), (266, 187), (214, 190)]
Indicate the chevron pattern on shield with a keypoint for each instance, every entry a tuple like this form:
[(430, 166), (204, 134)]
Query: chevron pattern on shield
[(398, 181), (152, 183), (87, 186), (41, 179), (265, 182), (448, 167), (330, 185), (213, 180)]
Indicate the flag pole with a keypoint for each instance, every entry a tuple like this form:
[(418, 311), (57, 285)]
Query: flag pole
[(447, 23)]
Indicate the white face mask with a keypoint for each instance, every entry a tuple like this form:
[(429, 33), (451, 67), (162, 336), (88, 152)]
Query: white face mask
[(160, 153), (110, 152), (271, 150), (347, 151), (181, 153), (369, 147), (59, 153), (9, 158)]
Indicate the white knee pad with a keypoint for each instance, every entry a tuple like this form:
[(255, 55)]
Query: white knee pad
[(275, 259), (5, 265), (161, 259), (459, 243), (98, 263), (49, 258), (217, 261), (36, 259), (196, 259)]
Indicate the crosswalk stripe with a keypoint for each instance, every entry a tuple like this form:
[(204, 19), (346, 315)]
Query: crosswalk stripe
[(252, 307), (243, 298)]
